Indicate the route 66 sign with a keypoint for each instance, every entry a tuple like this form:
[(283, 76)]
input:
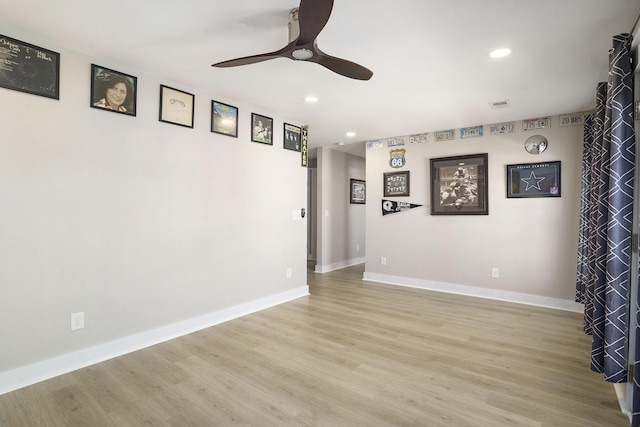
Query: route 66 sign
[(397, 158)]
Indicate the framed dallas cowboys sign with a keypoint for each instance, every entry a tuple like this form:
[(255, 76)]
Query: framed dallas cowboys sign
[(529, 180)]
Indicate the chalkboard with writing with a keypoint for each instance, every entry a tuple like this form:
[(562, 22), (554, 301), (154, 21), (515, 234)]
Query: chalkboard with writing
[(28, 68)]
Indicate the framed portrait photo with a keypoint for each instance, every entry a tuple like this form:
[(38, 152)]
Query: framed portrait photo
[(224, 119), (529, 180), (176, 106), (28, 68), (357, 191), (292, 137), (459, 185), (113, 91), (261, 129), (396, 184)]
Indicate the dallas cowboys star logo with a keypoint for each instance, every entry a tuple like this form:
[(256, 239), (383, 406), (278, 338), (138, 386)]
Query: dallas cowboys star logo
[(532, 182)]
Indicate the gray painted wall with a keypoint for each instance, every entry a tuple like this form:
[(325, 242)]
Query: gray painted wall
[(533, 242), (137, 223)]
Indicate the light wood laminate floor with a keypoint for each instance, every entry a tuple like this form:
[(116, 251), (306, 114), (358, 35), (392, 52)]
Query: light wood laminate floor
[(353, 353)]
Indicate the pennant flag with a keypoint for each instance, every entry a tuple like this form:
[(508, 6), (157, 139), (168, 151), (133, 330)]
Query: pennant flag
[(390, 207)]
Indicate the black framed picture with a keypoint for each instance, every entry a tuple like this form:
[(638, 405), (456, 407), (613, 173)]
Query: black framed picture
[(113, 91), (176, 106), (527, 180), (28, 68), (396, 184), (459, 185), (292, 136), (357, 191), (261, 129), (224, 119)]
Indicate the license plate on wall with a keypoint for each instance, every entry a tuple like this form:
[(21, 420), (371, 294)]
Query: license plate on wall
[(537, 123)]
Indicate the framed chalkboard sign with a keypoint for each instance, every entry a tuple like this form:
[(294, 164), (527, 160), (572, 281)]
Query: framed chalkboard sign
[(396, 184), (28, 68)]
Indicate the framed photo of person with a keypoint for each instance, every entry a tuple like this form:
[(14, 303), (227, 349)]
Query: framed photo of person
[(459, 185), (261, 129), (357, 191), (113, 91), (28, 68), (528, 180), (292, 136), (224, 119), (176, 106)]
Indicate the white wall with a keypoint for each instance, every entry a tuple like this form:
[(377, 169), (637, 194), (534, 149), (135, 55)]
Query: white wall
[(533, 242), (137, 223), (341, 225)]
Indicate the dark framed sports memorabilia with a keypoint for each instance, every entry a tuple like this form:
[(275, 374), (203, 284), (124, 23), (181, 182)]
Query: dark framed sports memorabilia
[(527, 180), (459, 185)]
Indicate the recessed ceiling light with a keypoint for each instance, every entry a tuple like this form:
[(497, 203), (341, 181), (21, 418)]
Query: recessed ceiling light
[(500, 53), (311, 99), (351, 134)]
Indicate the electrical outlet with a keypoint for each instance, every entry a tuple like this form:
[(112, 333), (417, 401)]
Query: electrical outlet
[(288, 273), (383, 260), (495, 273), (357, 247), (77, 321)]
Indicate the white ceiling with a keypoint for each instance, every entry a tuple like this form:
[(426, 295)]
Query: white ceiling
[(429, 58)]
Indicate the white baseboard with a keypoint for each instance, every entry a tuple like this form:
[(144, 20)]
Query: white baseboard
[(621, 394), (338, 265), (40, 371), (540, 301)]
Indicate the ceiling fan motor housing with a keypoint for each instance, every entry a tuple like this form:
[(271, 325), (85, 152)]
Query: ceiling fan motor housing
[(301, 54)]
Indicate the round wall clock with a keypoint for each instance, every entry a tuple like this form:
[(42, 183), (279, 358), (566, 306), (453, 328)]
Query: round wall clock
[(536, 144)]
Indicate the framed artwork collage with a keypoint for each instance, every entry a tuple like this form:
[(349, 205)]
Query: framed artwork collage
[(117, 92), (459, 185)]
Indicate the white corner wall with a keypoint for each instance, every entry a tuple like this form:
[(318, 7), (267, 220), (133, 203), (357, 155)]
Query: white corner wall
[(151, 229), (533, 242), (341, 225)]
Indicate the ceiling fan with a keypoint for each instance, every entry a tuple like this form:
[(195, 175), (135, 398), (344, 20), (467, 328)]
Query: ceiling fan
[(305, 23)]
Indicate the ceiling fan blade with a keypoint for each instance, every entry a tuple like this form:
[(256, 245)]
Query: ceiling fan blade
[(313, 15), (342, 66), (254, 58)]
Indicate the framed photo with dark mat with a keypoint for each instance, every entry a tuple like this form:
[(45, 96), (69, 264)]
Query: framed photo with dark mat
[(113, 90)]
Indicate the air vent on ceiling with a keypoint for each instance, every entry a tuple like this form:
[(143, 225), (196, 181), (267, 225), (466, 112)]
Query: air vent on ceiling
[(500, 104)]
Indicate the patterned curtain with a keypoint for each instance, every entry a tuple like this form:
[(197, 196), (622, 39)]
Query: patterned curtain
[(606, 217)]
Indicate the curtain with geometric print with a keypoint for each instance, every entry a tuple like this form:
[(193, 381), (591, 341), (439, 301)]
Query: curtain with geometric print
[(606, 217)]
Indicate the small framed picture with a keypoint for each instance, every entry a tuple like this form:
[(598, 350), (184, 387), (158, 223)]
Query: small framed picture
[(224, 119), (292, 137), (261, 129), (357, 192), (113, 91), (529, 180), (396, 184), (459, 185), (176, 106)]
